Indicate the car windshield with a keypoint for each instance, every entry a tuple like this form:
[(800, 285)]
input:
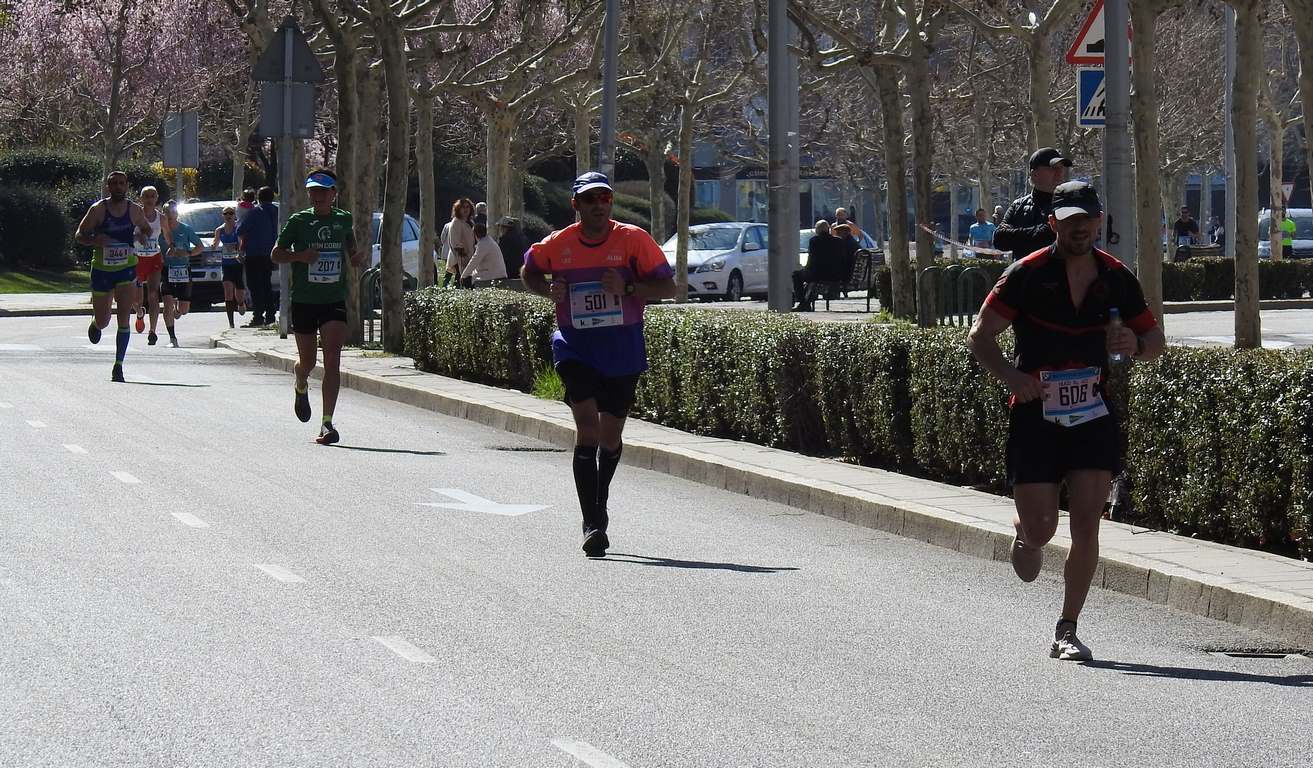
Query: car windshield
[(204, 220), (1303, 226), (712, 239)]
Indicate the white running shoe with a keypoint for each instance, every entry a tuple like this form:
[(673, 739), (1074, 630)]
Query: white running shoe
[(1067, 647)]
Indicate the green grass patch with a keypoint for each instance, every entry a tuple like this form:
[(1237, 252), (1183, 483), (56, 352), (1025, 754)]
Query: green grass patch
[(37, 281), (547, 384)]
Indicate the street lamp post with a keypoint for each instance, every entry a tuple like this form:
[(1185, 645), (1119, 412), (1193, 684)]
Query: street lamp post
[(1118, 190), (1228, 145), (782, 167), (606, 141)]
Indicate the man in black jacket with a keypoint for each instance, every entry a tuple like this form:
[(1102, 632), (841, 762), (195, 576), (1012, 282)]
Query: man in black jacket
[(824, 265), (1025, 228)]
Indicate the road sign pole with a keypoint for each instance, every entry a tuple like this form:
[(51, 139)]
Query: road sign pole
[(285, 185), (1119, 192)]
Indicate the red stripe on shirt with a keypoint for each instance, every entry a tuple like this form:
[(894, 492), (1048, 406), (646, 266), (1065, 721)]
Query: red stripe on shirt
[(1143, 322)]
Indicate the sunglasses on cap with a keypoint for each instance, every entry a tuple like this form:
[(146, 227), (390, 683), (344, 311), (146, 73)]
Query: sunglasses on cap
[(588, 198)]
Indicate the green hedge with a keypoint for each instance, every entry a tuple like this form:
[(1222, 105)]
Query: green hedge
[(1219, 442), (1193, 280), (33, 229)]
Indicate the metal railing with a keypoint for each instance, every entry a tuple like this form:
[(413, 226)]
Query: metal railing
[(950, 295)]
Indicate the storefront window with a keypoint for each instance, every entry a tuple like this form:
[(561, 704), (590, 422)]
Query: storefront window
[(752, 200)]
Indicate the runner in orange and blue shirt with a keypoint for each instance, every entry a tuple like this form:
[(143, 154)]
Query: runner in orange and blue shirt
[(600, 273), (1061, 302)]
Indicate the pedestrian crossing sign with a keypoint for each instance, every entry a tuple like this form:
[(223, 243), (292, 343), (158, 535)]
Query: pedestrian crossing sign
[(1090, 99)]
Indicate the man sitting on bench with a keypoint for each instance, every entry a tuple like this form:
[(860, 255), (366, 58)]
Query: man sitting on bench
[(825, 261)]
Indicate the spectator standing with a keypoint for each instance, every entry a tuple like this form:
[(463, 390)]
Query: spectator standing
[(1287, 236), (841, 217), (458, 239), (513, 243), (824, 262), (488, 263), (257, 233), (998, 216), (480, 213), (246, 204), (981, 234), (1025, 227)]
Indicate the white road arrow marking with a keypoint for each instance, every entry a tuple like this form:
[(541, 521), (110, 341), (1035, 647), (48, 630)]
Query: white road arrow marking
[(587, 753), (405, 650), (468, 502)]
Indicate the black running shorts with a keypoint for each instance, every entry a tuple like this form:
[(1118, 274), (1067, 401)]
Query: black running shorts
[(1040, 451), (614, 394), (309, 318), (179, 291), (234, 273)]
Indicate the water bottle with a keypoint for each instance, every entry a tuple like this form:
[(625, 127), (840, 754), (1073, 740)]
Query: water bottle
[(1114, 323)]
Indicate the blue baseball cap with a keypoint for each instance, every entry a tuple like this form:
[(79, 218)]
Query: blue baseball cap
[(590, 181), (320, 180)]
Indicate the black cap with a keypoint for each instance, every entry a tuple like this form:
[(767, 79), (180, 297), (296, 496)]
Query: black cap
[(590, 181), (1076, 197), (1048, 157)]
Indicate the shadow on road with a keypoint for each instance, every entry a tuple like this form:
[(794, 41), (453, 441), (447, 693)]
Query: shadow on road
[(166, 384), (388, 450), (665, 562), (1190, 673)]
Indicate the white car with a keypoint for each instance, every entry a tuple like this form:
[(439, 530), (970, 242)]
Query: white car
[(725, 260), (409, 243)]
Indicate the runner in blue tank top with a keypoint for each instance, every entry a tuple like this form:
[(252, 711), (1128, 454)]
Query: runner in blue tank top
[(234, 285), (113, 226)]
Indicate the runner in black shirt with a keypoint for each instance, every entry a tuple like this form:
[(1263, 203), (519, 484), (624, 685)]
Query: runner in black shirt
[(1058, 303)]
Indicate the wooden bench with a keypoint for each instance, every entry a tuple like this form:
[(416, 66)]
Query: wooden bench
[(861, 278)]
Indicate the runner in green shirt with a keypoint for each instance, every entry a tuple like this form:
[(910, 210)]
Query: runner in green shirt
[(316, 242)]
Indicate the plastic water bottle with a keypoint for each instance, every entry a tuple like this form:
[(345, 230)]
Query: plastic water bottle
[(1114, 323)]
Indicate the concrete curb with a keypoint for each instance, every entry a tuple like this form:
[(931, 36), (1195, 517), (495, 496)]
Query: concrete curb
[(1226, 305), (48, 312), (1226, 598)]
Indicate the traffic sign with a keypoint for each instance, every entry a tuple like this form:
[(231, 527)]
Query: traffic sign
[(1090, 100), (182, 143), (1287, 187), (303, 110), (1088, 47), (272, 64)]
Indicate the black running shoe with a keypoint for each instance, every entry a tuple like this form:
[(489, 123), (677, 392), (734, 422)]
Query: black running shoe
[(327, 435), (117, 374), (302, 407), (596, 543), (93, 333), (152, 338)]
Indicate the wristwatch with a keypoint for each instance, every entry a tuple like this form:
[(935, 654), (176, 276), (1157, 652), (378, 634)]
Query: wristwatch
[(1139, 346), (630, 288)]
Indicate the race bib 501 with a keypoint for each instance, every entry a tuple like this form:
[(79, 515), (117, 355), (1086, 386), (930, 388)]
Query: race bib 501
[(592, 307)]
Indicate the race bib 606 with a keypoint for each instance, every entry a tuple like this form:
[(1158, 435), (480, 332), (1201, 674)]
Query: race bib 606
[(327, 268), (592, 307), (1072, 397)]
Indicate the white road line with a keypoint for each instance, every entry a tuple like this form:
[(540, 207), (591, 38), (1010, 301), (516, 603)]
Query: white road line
[(186, 518), (75, 448), (405, 650), (589, 754), (280, 573), (19, 348), (6, 405), (125, 477), (36, 424)]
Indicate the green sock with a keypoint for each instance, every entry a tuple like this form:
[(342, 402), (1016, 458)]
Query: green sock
[(328, 418)]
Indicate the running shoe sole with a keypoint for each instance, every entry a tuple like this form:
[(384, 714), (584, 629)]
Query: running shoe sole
[(1070, 652), (596, 543), (141, 325), (93, 333), (151, 339), (1026, 561), (328, 437), (302, 406)]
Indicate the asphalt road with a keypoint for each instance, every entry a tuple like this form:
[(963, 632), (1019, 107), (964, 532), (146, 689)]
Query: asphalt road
[(244, 597)]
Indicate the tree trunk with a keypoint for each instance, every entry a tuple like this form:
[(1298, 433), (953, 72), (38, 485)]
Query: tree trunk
[(1173, 192), (347, 68), (428, 201), (387, 31), (245, 127), (583, 137), (954, 226), (1043, 132), (901, 270), (1148, 193), (1302, 20), (1205, 203), (683, 201), (1271, 118), (655, 160), (501, 122), (1244, 116), (922, 151)]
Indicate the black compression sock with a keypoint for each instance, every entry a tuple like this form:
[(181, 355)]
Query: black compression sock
[(606, 464), (585, 481)]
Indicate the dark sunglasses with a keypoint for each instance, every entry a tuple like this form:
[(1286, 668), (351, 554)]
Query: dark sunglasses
[(588, 198), (228, 215)]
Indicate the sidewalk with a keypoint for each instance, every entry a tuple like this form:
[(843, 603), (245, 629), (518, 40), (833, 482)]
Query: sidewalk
[(1264, 592), (45, 304)]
